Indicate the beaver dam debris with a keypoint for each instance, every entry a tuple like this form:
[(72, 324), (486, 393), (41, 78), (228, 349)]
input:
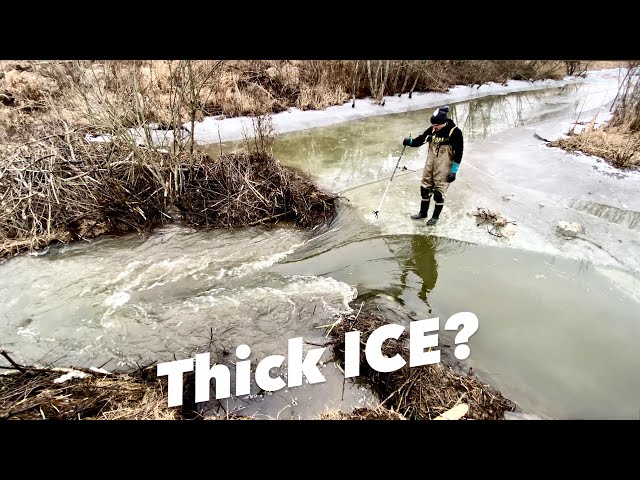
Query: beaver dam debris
[(497, 224), (429, 392), (62, 188), (419, 393), (28, 392), (246, 189)]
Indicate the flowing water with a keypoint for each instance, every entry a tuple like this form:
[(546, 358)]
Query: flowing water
[(558, 321)]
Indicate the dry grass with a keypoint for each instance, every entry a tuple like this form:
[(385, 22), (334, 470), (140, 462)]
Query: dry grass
[(36, 393), (616, 146), (606, 64), (376, 413), (95, 93)]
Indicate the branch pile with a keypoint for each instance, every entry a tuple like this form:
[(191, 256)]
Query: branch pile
[(418, 393), (62, 188), (246, 189), (497, 223), (29, 393)]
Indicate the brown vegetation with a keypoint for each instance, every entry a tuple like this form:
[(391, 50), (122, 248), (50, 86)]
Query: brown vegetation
[(249, 188), (618, 147), (109, 95), (55, 186), (58, 187), (59, 184), (62, 188), (418, 393), (29, 392), (618, 141)]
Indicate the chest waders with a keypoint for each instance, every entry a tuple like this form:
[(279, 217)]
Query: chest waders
[(434, 176)]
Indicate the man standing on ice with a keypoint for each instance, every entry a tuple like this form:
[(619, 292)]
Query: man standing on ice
[(443, 160)]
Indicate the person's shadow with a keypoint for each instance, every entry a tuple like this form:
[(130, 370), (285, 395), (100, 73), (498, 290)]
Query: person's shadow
[(421, 260)]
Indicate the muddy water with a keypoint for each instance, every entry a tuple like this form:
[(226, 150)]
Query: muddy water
[(556, 336)]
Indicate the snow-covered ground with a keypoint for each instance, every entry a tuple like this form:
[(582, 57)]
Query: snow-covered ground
[(216, 129), (532, 185), (509, 170)]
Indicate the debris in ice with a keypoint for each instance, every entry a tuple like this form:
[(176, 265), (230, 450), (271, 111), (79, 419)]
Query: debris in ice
[(497, 223), (568, 229), (99, 370)]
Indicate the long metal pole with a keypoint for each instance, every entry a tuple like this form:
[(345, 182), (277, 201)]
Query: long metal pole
[(375, 212)]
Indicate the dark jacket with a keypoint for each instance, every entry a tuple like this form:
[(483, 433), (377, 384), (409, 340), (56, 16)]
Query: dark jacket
[(445, 137)]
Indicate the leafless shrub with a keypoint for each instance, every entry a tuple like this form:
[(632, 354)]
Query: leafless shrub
[(250, 188), (626, 108), (64, 188), (261, 138), (577, 67)]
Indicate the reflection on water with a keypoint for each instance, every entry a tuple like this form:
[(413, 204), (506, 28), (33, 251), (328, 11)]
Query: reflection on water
[(422, 262), (490, 115), (359, 151), (554, 335), (542, 340)]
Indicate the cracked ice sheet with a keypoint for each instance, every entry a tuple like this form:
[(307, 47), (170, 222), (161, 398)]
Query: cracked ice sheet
[(534, 186), (540, 185)]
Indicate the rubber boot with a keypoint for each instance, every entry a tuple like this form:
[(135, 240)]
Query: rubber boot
[(425, 194), (424, 210), (436, 214)]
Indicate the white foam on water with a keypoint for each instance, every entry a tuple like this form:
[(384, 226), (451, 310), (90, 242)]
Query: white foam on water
[(295, 289), (117, 299), (131, 266), (258, 265), (27, 332)]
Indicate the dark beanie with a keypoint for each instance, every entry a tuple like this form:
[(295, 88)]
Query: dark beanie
[(440, 115)]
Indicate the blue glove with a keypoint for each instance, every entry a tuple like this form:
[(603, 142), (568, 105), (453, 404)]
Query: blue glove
[(451, 176), (407, 141)]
